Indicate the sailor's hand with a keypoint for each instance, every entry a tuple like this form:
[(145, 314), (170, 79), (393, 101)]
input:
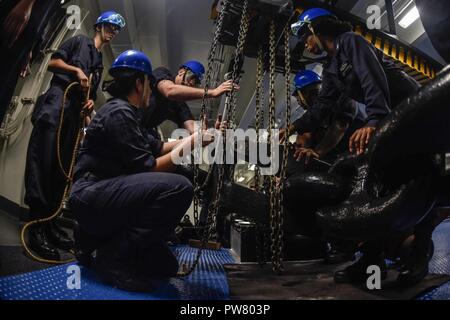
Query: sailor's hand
[(360, 139), (286, 134), (220, 124), (305, 153), (224, 88), (84, 80), (207, 137), (282, 136), (26, 71), (16, 22), (88, 107), (303, 140)]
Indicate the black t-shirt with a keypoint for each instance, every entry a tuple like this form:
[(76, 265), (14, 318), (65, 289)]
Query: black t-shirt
[(161, 108), (115, 144)]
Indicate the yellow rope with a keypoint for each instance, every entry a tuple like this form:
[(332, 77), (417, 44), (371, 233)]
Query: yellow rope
[(68, 175)]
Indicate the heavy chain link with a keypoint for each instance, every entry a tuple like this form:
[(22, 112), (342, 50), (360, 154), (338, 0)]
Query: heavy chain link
[(239, 54), (287, 75), (277, 189), (259, 110), (273, 192), (212, 54), (232, 101)]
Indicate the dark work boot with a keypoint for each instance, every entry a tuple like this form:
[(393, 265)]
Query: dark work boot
[(372, 255), (85, 245), (39, 243), (416, 267), (116, 263), (413, 273), (157, 260), (336, 256), (357, 272), (59, 237)]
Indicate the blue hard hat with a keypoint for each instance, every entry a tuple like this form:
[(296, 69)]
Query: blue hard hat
[(131, 60), (307, 17), (196, 67), (306, 78), (111, 17)]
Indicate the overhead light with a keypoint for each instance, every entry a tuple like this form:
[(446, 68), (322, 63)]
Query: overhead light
[(409, 18)]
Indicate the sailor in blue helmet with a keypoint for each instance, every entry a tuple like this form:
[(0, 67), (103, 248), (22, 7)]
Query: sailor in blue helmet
[(172, 92), (327, 143), (330, 139), (126, 197), (356, 69), (76, 60)]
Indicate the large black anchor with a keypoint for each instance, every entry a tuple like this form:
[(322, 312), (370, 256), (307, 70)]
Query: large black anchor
[(396, 184)]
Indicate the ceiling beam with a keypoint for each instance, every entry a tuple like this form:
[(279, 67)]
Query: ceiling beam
[(163, 31), (391, 17), (132, 27)]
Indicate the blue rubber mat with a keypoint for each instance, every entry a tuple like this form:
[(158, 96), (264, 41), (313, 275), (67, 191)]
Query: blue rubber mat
[(440, 264), (208, 282)]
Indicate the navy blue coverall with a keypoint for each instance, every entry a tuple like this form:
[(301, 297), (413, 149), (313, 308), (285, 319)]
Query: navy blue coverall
[(14, 59), (161, 108), (44, 181), (435, 16), (116, 195), (361, 72)]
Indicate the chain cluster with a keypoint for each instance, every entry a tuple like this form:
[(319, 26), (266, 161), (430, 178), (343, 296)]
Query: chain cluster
[(211, 56), (273, 187), (213, 208)]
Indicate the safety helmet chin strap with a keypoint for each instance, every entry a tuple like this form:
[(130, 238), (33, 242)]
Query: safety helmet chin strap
[(102, 30), (318, 41), (188, 74), (183, 81), (144, 91), (302, 98)]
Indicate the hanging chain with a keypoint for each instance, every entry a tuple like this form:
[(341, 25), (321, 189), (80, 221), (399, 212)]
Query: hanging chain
[(213, 208), (230, 107), (273, 192), (280, 205), (259, 110), (212, 54), (239, 54), (208, 76)]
